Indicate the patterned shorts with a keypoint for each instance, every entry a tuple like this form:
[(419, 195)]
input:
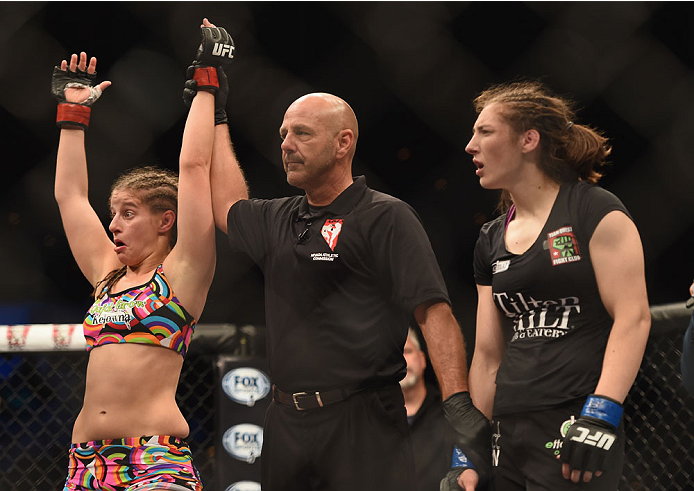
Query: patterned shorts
[(132, 464)]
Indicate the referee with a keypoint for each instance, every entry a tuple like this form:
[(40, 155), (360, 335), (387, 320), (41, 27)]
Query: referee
[(345, 269)]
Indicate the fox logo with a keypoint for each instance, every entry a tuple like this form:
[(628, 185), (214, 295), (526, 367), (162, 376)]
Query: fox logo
[(221, 49)]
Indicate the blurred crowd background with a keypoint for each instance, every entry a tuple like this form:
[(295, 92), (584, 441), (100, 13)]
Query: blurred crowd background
[(409, 70)]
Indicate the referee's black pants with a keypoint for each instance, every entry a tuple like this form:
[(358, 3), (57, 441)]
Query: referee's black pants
[(361, 443)]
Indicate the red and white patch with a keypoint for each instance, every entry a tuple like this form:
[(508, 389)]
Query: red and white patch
[(331, 230)]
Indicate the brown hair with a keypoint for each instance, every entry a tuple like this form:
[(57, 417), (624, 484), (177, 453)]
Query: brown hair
[(569, 151), (155, 187)]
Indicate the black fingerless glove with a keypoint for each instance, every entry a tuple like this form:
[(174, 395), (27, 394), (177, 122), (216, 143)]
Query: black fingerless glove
[(205, 78), (202, 75), (220, 100), (216, 47), (72, 113), (473, 435), (216, 50), (591, 439)]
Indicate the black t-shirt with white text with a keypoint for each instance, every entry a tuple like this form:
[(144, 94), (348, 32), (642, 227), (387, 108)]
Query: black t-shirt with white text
[(555, 323), (341, 284)]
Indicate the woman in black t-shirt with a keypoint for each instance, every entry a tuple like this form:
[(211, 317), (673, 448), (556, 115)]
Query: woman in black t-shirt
[(563, 316)]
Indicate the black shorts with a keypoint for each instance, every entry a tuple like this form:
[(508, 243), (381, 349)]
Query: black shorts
[(525, 448), (361, 443)]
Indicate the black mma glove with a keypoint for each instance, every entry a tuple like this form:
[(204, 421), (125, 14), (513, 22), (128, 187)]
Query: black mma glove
[(459, 463), (473, 435), (220, 99), (216, 49), (73, 113), (591, 439)]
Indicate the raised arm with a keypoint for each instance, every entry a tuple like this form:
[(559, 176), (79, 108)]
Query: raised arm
[(90, 245), (190, 265), (228, 182)]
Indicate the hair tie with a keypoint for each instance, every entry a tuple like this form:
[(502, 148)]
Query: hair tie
[(569, 125)]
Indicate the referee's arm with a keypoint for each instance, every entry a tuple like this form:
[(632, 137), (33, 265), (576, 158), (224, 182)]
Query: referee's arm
[(445, 345), (226, 177)]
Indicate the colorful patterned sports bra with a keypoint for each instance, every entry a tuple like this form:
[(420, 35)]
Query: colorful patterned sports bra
[(146, 314)]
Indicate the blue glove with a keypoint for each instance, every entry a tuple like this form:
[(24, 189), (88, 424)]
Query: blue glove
[(591, 439)]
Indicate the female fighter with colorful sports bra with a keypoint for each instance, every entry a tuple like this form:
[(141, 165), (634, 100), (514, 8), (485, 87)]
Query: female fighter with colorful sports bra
[(151, 282)]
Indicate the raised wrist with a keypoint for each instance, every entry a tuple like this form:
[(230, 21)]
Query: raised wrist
[(74, 115)]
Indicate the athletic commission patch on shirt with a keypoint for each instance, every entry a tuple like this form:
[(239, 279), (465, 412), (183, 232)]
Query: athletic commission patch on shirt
[(563, 246), (331, 230)]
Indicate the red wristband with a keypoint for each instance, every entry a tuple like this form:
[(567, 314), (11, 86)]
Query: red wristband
[(75, 114), (206, 77)]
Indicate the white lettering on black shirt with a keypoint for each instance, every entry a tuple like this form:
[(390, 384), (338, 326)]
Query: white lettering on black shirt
[(533, 318)]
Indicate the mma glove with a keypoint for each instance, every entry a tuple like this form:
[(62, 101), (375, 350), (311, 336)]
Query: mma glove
[(216, 50), (216, 47), (591, 439), (222, 91), (74, 113), (459, 463), (473, 439)]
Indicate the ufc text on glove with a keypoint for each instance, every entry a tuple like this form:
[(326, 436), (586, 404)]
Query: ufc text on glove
[(591, 439)]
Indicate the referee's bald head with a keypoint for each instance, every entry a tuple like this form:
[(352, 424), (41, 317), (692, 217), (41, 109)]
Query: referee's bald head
[(334, 112)]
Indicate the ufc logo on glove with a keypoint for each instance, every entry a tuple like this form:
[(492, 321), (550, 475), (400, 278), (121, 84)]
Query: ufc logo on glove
[(221, 49), (596, 439)]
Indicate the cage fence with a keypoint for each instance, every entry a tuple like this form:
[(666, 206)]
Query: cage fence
[(41, 393)]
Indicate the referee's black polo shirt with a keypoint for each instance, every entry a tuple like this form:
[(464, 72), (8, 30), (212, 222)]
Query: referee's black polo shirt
[(341, 284)]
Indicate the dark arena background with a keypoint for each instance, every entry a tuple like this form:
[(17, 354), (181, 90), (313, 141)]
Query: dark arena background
[(410, 71)]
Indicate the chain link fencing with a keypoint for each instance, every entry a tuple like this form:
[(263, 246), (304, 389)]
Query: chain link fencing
[(41, 394), (659, 413)]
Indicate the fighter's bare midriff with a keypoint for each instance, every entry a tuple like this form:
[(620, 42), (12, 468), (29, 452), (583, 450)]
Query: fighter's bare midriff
[(130, 392)]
